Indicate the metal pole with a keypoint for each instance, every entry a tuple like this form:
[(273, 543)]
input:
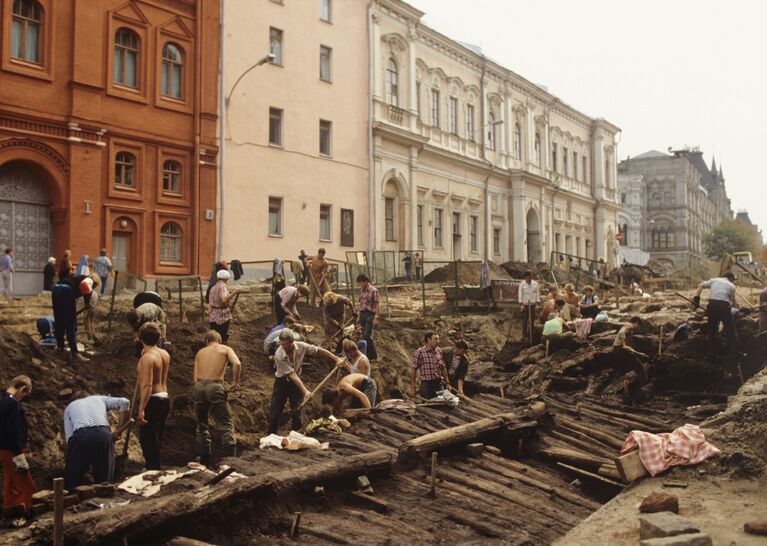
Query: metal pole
[(202, 300), (423, 288), (112, 302), (180, 302)]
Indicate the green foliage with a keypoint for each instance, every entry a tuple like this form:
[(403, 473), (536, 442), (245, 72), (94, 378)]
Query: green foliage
[(731, 236)]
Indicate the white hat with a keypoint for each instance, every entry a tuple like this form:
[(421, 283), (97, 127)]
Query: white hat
[(223, 274)]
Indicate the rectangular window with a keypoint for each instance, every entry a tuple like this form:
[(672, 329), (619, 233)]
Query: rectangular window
[(470, 130), (457, 223), (565, 169), (275, 216), (435, 108), (389, 218), (325, 137), (325, 12), (438, 228), (419, 222), (584, 171), (575, 165), (275, 126), (325, 56), (497, 241), (452, 115), (275, 45), (473, 229), (554, 164), (325, 222)]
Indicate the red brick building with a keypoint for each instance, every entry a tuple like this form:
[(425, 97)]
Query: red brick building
[(108, 116)]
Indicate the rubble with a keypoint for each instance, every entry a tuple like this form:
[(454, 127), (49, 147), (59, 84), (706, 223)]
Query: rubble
[(659, 502)]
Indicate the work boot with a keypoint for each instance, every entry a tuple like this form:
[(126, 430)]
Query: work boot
[(78, 356), (204, 460)]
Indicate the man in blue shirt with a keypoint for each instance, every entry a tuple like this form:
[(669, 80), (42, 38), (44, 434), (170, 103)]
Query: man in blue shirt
[(102, 266), (6, 273), (90, 441)]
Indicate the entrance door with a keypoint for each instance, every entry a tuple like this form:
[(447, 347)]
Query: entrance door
[(121, 245), (25, 224)]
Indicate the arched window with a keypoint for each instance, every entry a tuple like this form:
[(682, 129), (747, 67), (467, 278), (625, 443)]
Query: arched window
[(667, 201), (624, 231), (172, 71), (170, 242), (517, 141), (126, 58), (125, 166), (656, 199), (655, 238), (538, 148), (670, 243), (392, 83), (171, 176), (608, 173), (491, 131), (25, 30)]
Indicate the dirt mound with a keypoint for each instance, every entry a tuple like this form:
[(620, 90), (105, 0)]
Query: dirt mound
[(517, 270), (468, 273)]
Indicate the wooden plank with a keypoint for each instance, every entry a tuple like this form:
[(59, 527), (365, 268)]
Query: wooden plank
[(591, 475), (630, 467)]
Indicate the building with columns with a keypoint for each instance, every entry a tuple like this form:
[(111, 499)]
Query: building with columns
[(682, 200), (472, 161)]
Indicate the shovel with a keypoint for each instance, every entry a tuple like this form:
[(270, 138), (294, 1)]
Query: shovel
[(120, 460)]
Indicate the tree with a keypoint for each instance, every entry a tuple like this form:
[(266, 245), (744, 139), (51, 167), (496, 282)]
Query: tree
[(731, 236)]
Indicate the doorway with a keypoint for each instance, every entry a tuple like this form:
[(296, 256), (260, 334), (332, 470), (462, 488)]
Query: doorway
[(121, 254), (534, 250)]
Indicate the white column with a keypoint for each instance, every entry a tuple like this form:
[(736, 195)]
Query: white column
[(600, 233), (377, 212), (508, 125), (413, 99), (518, 228), (545, 153), (530, 134), (376, 53), (412, 231)]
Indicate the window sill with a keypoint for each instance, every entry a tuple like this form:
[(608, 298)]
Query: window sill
[(326, 240), (273, 145), (323, 80), (326, 156), (28, 68), (328, 21), (276, 235)]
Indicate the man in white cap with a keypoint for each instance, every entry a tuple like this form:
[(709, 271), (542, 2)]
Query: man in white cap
[(220, 297)]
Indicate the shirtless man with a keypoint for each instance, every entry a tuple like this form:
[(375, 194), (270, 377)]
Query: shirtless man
[(361, 388), (318, 273), (355, 362), (210, 394), (154, 405)]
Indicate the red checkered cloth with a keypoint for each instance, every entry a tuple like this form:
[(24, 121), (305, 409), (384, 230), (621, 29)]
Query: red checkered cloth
[(685, 446)]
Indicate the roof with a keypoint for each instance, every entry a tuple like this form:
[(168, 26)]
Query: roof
[(652, 154)]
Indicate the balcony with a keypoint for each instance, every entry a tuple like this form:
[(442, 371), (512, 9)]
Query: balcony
[(395, 114)]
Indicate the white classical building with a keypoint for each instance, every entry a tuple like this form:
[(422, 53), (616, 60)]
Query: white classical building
[(471, 160)]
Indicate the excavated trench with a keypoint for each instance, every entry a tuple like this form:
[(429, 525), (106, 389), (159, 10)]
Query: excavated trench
[(531, 492)]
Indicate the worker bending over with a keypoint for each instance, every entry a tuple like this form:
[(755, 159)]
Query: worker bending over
[(721, 298), (360, 388)]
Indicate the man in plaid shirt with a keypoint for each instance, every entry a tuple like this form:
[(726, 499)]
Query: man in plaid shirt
[(428, 361), (370, 309)]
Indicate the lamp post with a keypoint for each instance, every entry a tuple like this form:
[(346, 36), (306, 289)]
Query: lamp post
[(223, 108)]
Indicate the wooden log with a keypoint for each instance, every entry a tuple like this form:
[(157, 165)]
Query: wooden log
[(295, 523), (591, 430), (58, 512), (139, 519), (574, 457), (369, 501), (513, 422), (630, 467), (591, 475), (433, 481), (609, 471), (185, 541)]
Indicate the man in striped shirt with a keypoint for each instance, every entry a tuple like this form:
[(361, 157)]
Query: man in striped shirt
[(428, 361), (90, 441)]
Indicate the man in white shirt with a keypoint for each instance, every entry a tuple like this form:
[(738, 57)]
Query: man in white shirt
[(721, 298), (529, 295), (288, 360)]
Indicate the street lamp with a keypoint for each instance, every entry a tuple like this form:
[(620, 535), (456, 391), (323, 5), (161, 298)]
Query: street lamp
[(222, 115), (268, 58)]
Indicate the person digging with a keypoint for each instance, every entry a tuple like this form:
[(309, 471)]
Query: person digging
[(358, 387)]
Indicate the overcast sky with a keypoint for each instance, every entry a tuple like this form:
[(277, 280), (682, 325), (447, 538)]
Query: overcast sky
[(668, 73)]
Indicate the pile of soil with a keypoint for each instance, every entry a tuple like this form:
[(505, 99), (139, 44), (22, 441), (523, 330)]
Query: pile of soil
[(468, 273), (517, 270)]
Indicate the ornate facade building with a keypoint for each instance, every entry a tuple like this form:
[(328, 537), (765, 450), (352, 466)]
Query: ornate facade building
[(108, 133), (681, 200), (472, 161)]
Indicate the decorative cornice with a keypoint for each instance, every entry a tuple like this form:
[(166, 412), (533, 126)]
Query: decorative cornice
[(39, 147)]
